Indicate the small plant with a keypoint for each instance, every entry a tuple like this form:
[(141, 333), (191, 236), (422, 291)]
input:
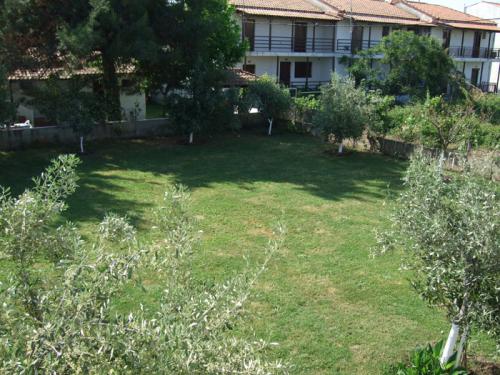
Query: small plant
[(425, 361)]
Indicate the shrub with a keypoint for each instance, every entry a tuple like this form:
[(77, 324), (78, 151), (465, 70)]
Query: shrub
[(487, 135), (343, 110), (305, 108), (59, 312), (488, 107), (405, 122), (425, 361)]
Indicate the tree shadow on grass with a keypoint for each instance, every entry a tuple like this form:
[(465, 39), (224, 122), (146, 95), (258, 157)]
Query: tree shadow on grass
[(113, 168)]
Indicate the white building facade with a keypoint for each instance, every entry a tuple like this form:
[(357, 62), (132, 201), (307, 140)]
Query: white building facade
[(491, 11), (301, 42)]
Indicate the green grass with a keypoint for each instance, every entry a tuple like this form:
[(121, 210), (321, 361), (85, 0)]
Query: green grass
[(331, 307)]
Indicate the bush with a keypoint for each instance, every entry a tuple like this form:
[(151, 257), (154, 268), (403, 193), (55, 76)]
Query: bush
[(405, 122), (305, 108), (59, 310), (343, 110), (425, 361), (488, 107), (487, 135)]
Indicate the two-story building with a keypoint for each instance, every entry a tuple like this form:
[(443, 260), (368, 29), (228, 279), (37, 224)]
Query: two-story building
[(301, 42)]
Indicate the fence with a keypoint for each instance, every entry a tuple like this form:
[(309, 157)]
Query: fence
[(485, 163)]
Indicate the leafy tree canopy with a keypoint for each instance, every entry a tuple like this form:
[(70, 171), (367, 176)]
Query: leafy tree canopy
[(416, 65)]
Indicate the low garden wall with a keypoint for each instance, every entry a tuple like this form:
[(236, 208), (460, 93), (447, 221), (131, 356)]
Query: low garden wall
[(14, 139), (485, 163)]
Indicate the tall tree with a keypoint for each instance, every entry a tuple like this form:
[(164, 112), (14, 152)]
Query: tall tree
[(417, 65), (113, 34)]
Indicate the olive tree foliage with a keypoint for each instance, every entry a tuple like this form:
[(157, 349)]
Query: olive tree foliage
[(59, 301), (270, 98), (343, 110), (449, 229)]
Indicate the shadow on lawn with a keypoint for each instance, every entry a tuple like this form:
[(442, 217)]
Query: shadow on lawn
[(243, 161)]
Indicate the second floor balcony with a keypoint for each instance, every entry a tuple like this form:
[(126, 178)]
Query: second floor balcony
[(474, 52)]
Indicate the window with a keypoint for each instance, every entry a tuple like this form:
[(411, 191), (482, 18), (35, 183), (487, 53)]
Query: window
[(249, 32), (386, 30), (250, 68), (303, 69)]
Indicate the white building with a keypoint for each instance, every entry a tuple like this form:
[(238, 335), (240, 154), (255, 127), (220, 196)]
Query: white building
[(491, 11), (301, 42)]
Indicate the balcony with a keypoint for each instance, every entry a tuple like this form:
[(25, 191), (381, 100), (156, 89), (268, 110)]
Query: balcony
[(490, 88), (290, 44), (354, 46), (474, 52)]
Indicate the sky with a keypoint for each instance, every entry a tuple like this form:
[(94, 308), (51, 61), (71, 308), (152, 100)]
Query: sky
[(457, 4)]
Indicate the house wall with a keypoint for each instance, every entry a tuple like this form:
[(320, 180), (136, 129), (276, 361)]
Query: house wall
[(130, 102)]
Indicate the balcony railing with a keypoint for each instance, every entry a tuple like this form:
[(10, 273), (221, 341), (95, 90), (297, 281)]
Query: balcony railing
[(488, 87), (471, 52), (290, 44), (353, 46), (309, 85)]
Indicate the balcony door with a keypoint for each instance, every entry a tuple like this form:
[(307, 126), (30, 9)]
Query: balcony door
[(249, 33), (474, 77), (299, 36), (357, 39), (476, 48), (285, 70)]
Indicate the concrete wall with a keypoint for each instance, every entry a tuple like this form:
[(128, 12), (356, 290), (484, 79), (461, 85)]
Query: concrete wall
[(59, 135)]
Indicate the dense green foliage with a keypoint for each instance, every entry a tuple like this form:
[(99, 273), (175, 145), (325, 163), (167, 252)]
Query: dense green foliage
[(425, 361), (343, 110), (417, 65), (271, 99), (6, 106), (449, 229), (488, 106), (58, 313)]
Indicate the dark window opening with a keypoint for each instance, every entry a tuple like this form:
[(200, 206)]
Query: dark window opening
[(446, 38), (386, 30), (303, 69), (474, 77), (299, 36), (250, 68)]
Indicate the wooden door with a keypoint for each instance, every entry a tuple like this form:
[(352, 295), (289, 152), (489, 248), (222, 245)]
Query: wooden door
[(299, 36), (249, 33), (476, 49), (285, 69), (474, 77), (357, 39)]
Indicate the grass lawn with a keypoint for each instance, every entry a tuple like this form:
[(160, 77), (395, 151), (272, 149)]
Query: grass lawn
[(154, 110), (332, 308)]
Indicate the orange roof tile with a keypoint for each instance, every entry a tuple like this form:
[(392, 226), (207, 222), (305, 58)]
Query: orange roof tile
[(283, 8)]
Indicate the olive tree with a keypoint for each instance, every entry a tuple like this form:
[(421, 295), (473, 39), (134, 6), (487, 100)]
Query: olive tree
[(343, 110), (271, 99), (449, 229), (61, 310)]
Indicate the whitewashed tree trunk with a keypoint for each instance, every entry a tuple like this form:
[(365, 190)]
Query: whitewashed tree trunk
[(341, 148), (191, 135), (450, 343), (270, 130), (81, 145)]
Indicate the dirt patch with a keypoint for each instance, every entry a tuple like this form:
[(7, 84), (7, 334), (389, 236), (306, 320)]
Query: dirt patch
[(480, 366)]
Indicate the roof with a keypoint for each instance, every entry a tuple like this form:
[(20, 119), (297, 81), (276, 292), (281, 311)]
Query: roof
[(453, 18), (284, 8), (238, 78), (61, 73), (380, 11)]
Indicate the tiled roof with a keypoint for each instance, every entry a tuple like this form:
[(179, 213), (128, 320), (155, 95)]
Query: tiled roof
[(377, 8), (284, 8), (61, 73), (238, 78)]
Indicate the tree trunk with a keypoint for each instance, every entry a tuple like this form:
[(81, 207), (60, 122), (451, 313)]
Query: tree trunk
[(191, 135), (450, 343), (81, 145), (269, 131), (111, 89), (461, 346), (341, 148)]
